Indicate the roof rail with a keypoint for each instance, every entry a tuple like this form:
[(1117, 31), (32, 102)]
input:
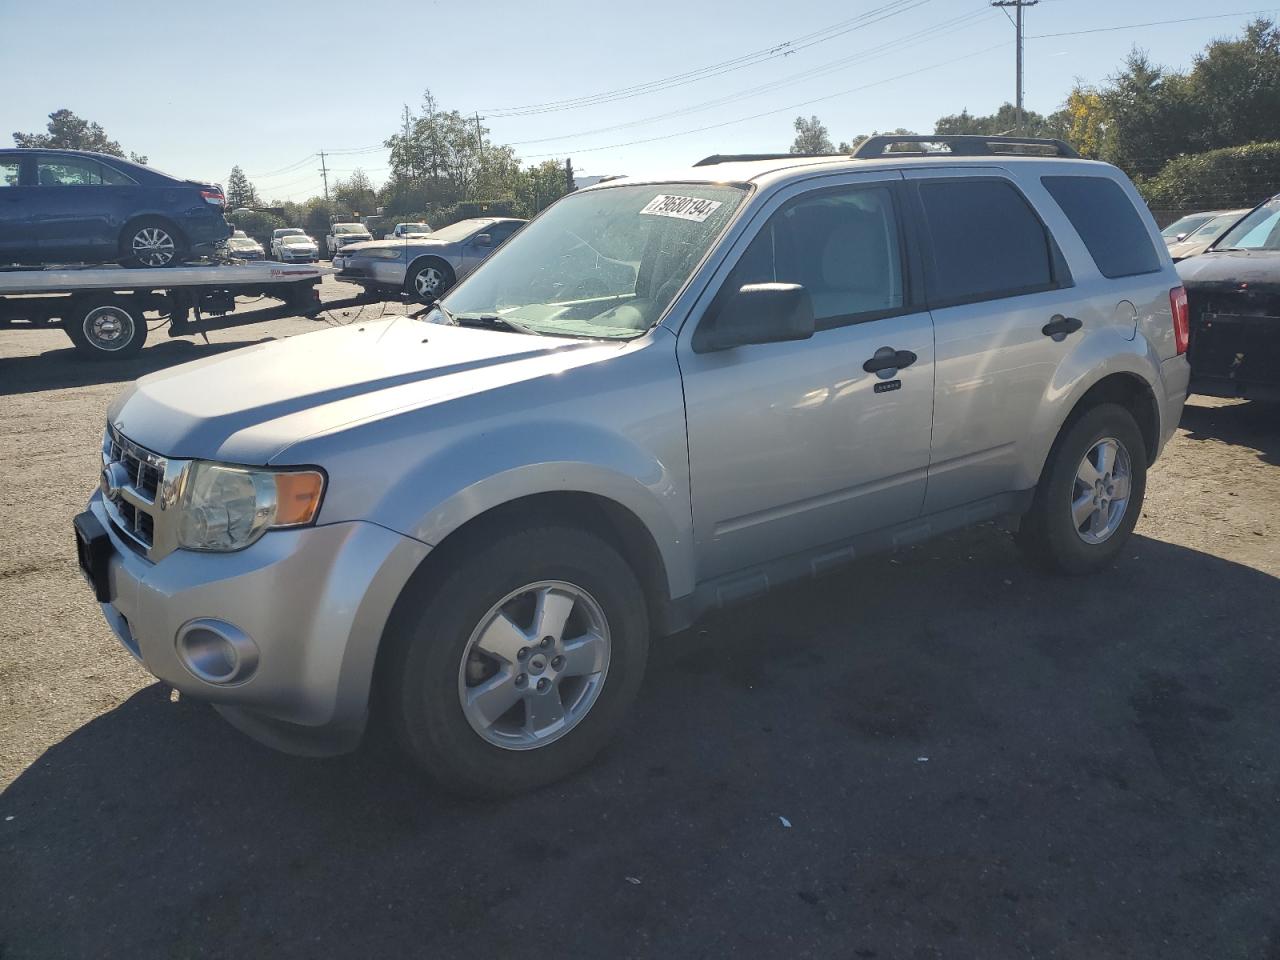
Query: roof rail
[(744, 157), (966, 145)]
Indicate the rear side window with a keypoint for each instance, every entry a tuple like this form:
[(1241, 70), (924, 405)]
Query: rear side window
[(1107, 223), (8, 171), (987, 242)]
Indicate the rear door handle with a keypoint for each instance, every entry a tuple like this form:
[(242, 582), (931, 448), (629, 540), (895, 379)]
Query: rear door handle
[(887, 358), (1060, 327)]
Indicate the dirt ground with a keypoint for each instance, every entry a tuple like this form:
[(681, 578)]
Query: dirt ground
[(972, 759)]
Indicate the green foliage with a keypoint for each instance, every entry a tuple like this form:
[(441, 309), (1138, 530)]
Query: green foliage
[(66, 131), (1216, 180), (859, 138), (811, 137), (240, 192), (356, 193), (1004, 122), (257, 224)]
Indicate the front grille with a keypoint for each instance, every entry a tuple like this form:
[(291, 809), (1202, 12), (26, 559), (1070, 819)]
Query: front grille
[(136, 503)]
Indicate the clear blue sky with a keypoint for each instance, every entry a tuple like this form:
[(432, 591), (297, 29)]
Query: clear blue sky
[(200, 88)]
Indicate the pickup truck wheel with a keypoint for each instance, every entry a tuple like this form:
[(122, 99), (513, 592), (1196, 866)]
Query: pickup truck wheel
[(152, 243), (106, 329), (428, 281), (521, 663), (1090, 493)]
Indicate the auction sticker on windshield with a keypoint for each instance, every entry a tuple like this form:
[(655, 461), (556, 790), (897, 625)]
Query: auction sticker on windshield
[(682, 208)]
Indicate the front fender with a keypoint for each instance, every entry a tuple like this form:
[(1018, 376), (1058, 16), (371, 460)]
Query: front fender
[(1105, 352), (479, 472)]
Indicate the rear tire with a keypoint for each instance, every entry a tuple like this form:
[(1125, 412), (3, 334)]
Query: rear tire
[(106, 328), (447, 655), (152, 242), (1090, 493)]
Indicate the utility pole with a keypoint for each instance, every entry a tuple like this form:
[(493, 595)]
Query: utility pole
[(479, 135), (324, 172), (1017, 25)]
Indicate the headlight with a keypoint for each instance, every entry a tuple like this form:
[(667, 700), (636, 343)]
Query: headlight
[(381, 253), (225, 508)]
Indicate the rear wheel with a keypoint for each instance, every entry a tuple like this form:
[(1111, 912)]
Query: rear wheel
[(152, 243), (1090, 493), (520, 663), (106, 328)]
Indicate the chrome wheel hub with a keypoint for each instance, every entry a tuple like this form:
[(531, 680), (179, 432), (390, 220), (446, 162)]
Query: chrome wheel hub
[(1100, 494), (428, 282), (108, 328), (535, 665)]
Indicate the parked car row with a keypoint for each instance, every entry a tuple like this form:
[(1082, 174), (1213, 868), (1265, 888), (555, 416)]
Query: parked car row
[(1193, 234)]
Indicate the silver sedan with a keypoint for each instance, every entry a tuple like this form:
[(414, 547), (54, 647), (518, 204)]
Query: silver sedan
[(425, 267)]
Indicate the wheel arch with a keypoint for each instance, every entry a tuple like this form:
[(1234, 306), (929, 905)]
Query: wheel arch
[(138, 218)]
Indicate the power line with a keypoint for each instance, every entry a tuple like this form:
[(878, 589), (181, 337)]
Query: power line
[(769, 113), (783, 49), (1152, 23), (831, 66)]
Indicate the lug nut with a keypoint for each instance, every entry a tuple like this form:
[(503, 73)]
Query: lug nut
[(543, 684), (522, 679), (547, 642), (522, 653), (557, 663)]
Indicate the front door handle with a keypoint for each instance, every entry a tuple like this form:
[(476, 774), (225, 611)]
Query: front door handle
[(887, 358), (1060, 327)]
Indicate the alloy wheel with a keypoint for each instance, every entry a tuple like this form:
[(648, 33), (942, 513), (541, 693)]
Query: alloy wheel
[(1100, 494), (153, 246), (535, 665)]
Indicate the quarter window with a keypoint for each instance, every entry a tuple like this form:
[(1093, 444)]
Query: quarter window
[(840, 245), (986, 241), (1107, 223), (8, 172)]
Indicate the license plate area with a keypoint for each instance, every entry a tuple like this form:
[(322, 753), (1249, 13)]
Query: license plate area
[(93, 551)]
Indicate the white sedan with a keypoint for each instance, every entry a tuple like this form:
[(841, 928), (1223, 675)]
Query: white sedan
[(296, 249)]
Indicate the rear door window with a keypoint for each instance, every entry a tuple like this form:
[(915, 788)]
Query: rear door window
[(76, 172), (1108, 224), (8, 172), (986, 241)]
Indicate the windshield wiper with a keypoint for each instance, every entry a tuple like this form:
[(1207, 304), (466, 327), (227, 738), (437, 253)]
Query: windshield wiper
[(492, 321)]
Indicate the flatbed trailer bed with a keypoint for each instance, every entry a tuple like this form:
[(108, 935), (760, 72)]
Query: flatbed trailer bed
[(103, 309)]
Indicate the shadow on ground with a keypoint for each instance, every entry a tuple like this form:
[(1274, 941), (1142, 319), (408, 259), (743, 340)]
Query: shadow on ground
[(975, 761), (1251, 424), (60, 369)]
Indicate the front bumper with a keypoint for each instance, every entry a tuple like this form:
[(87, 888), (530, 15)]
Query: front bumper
[(314, 600)]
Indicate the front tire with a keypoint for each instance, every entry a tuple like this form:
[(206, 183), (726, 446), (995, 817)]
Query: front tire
[(105, 328), (1090, 493), (428, 281), (518, 664)]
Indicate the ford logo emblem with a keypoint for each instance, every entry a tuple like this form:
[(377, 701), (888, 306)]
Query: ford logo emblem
[(114, 479)]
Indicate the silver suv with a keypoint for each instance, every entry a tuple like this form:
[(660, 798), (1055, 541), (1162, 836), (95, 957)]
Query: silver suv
[(656, 399)]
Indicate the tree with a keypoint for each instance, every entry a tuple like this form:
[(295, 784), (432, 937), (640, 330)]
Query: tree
[(257, 223), (357, 193), (539, 187), (859, 138), (811, 137), (66, 131), (1004, 122), (1083, 121), (240, 192), (1235, 88)]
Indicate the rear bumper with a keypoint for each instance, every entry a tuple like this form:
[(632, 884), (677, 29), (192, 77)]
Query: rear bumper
[(1175, 374), (206, 231), (314, 601)]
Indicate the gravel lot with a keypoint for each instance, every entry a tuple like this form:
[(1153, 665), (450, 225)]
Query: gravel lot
[(972, 759)]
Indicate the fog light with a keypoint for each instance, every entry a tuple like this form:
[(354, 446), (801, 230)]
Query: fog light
[(217, 652)]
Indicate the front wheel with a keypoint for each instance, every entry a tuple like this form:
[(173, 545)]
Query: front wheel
[(106, 329), (520, 662), (427, 282), (1090, 493)]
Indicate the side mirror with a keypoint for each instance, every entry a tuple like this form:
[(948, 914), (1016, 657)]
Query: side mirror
[(1180, 237), (482, 240), (758, 313)]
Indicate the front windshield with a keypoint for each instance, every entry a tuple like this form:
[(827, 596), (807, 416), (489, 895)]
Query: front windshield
[(348, 228), (294, 240), (1214, 226), (243, 243), (289, 232), (1185, 225), (603, 263), (1260, 230), (414, 228), (460, 230)]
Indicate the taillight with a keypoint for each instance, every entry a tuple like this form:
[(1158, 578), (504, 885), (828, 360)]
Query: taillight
[(1181, 318), (214, 197)]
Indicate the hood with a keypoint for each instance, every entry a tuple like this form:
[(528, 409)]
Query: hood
[(1229, 268), (249, 405), (378, 244)]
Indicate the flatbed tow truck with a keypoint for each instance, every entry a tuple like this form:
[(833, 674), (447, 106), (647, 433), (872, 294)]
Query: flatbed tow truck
[(104, 309)]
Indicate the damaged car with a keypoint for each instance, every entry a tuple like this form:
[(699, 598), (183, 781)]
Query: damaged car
[(1233, 293)]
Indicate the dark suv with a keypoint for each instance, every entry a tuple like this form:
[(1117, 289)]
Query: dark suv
[(59, 206)]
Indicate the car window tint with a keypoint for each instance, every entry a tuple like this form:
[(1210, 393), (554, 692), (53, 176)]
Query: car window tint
[(841, 246), (500, 231), (986, 241), (76, 172), (8, 171), (1107, 223)]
